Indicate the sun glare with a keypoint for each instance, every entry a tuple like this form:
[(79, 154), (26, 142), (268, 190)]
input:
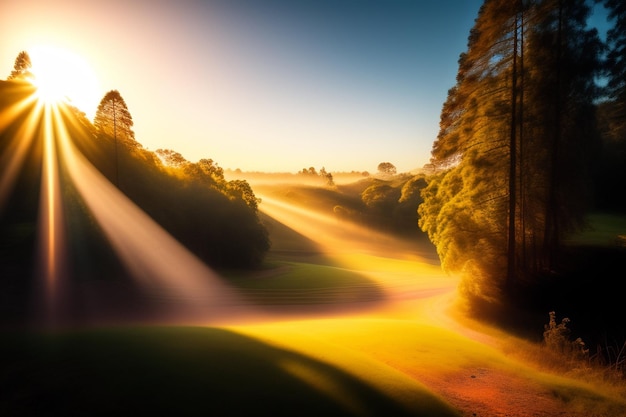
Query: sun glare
[(62, 76)]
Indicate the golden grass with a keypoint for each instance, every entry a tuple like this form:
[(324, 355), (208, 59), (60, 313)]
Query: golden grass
[(410, 342), (394, 355)]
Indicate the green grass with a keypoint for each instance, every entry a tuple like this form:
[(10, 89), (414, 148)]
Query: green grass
[(303, 283), (604, 229), (181, 371)]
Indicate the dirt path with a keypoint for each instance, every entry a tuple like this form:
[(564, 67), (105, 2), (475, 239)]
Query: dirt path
[(414, 286), (484, 392)]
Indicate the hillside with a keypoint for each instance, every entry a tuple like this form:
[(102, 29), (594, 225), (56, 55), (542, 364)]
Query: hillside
[(89, 176)]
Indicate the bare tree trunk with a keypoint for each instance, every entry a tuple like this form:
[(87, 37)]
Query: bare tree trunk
[(522, 168), (551, 236), (511, 253)]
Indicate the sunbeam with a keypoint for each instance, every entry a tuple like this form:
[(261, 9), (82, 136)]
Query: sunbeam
[(161, 265), (335, 235), (13, 158), (51, 223), (166, 271)]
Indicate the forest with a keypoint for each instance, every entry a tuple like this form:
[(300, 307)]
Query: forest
[(532, 140), (214, 218)]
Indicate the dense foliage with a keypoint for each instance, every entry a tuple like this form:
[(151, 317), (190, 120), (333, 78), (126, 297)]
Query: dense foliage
[(387, 203), (611, 169), (214, 218), (518, 136)]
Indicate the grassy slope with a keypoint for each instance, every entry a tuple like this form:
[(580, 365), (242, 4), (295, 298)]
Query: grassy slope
[(185, 371), (365, 365)]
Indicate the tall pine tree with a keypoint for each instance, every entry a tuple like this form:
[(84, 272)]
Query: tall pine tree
[(513, 135), (114, 120)]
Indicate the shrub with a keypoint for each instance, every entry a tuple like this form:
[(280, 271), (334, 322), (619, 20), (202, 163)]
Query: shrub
[(557, 339)]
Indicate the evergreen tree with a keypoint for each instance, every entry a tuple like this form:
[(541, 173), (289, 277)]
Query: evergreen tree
[(611, 169), (22, 66), (113, 118), (559, 123), (513, 133), (616, 68)]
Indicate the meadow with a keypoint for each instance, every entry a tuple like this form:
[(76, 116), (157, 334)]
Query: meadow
[(334, 331)]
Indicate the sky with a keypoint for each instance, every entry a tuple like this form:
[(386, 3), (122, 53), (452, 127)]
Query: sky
[(272, 85)]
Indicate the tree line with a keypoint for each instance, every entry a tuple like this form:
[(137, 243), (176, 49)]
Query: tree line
[(529, 142), (215, 218)]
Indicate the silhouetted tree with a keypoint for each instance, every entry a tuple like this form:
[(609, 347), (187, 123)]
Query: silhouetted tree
[(616, 67), (327, 176), (616, 61), (310, 171), (387, 168), (113, 119), (559, 125), (22, 66), (171, 158), (241, 189), (212, 170), (611, 169)]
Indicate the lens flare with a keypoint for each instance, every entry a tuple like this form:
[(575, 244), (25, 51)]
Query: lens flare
[(61, 76), (158, 263)]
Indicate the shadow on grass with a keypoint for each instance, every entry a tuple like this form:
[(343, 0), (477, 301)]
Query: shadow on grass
[(299, 280), (182, 371), (299, 275), (286, 240)]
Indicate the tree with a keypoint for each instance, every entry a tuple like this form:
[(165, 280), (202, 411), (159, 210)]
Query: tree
[(465, 208), (616, 68), (611, 168), (616, 40), (171, 158), (559, 125), (22, 66), (114, 120), (241, 189), (212, 170), (327, 176), (514, 132), (387, 168), (381, 198)]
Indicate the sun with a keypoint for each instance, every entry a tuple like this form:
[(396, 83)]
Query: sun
[(62, 76)]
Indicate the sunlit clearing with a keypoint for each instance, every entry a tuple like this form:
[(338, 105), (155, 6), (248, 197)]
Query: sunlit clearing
[(400, 268), (397, 356), (162, 266), (60, 75), (391, 355)]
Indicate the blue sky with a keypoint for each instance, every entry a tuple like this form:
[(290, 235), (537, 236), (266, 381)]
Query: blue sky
[(271, 85)]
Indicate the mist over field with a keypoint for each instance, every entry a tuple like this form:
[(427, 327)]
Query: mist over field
[(137, 281)]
